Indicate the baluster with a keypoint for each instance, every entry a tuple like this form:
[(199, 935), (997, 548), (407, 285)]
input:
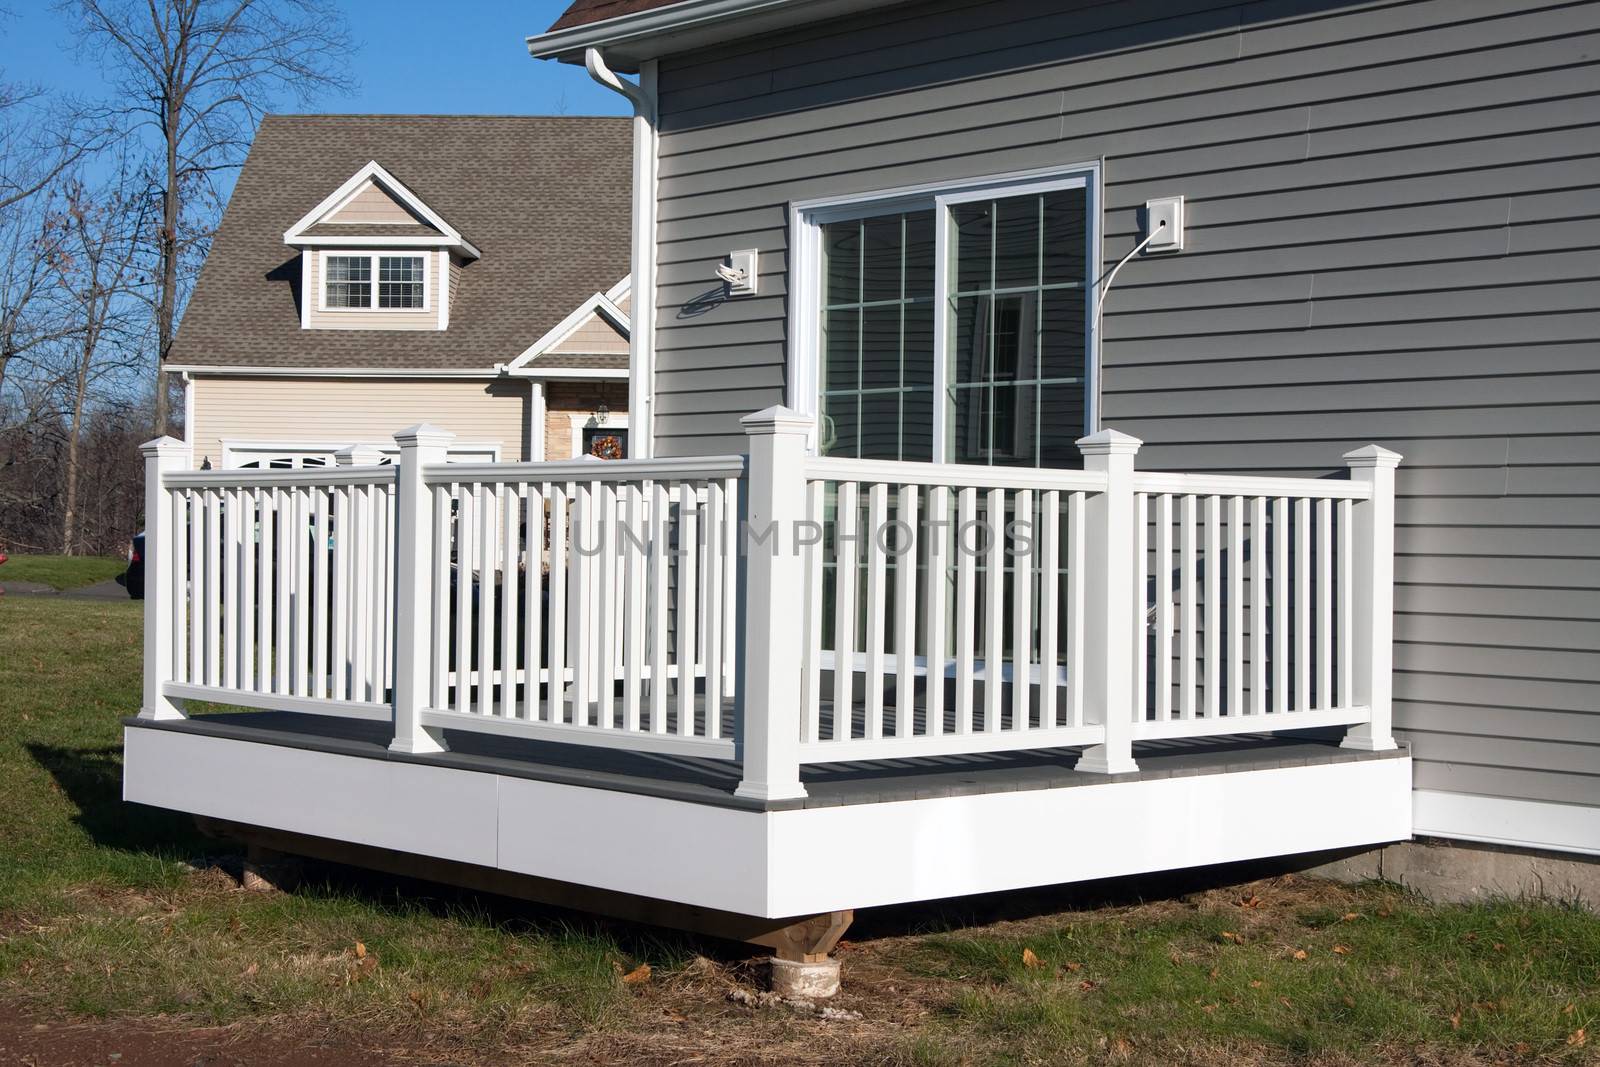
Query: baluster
[(844, 620), (1213, 601), (230, 597), (938, 576), (510, 513), (1077, 504), (1163, 584), (532, 597), (877, 600), (966, 607), (319, 609), (688, 588), (905, 613), (1325, 604), (811, 650), (488, 553), (1302, 606), (660, 592), (994, 585), (463, 589), (250, 500), (1188, 676), (439, 599), (557, 683), (1280, 605), (1022, 614), (637, 597), (1049, 604), (1258, 605), (714, 554), (1236, 639)]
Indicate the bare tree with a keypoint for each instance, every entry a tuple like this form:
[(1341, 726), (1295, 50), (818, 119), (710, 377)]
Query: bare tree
[(93, 270), (27, 321), (200, 74)]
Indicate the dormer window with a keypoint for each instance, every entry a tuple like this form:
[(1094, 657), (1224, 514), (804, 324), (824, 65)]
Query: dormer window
[(348, 282)]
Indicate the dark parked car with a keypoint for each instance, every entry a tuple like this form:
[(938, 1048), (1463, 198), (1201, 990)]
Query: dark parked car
[(134, 578)]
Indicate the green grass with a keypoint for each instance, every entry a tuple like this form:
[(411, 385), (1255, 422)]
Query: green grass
[(109, 911), (61, 572)]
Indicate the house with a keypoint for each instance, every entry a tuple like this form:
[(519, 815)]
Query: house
[(375, 270), (1073, 440)]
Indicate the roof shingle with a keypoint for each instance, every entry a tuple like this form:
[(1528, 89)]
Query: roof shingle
[(583, 12), (546, 200)]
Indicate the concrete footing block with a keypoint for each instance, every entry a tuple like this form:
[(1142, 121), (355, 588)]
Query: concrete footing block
[(812, 981)]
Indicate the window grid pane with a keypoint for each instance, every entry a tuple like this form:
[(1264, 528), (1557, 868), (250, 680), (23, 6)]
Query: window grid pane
[(400, 282), (348, 282), (877, 350), (1011, 340)]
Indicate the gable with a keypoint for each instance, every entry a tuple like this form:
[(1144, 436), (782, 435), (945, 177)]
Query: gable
[(371, 205), (594, 336)]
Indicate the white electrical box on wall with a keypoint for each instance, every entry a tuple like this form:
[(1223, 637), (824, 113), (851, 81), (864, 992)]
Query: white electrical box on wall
[(740, 272), (1164, 218)]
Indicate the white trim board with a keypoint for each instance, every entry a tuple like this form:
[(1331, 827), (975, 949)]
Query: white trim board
[(1537, 824), (488, 373), (764, 863)]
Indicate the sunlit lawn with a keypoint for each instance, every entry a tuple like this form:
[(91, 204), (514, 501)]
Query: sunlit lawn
[(112, 911), (61, 572)]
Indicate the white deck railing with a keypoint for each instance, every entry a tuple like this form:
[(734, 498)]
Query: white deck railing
[(776, 608)]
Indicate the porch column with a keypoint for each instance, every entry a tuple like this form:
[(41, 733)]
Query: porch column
[(768, 694), (162, 456), (1372, 598), (414, 637), (1113, 610)]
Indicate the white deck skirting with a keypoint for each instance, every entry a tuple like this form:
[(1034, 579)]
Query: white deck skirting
[(776, 863)]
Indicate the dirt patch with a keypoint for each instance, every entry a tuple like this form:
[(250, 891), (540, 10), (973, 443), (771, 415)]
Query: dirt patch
[(29, 1043)]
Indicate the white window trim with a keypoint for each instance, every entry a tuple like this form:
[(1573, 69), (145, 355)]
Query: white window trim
[(236, 453), (428, 263), (806, 218), (580, 423)]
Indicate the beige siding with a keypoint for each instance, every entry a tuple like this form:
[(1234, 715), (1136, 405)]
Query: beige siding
[(356, 411), (375, 319), (595, 337), (566, 399), (625, 305), (372, 206)]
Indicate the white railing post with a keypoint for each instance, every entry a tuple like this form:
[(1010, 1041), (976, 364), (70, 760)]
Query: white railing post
[(1113, 609), (420, 446), (362, 455), (1372, 598), (770, 620), (161, 457)]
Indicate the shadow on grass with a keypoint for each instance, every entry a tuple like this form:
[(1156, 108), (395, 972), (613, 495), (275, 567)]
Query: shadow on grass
[(91, 778)]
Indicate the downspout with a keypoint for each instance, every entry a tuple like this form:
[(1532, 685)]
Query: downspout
[(642, 315)]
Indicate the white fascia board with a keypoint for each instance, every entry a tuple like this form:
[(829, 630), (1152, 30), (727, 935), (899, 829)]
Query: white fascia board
[(603, 304), (682, 26), (331, 372), (621, 289), (374, 171), (619, 374)]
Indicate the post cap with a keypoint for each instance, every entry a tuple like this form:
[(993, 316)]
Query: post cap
[(1372, 456), (1109, 443), (423, 433), (163, 446), (358, 456), (775, 420)]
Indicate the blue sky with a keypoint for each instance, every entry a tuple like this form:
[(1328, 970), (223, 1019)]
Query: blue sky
[(472, 61)]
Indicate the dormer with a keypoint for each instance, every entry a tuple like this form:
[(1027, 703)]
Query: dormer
[(374, 256)]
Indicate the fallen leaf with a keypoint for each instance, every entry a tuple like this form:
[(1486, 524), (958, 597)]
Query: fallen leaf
[(1349, 1001), (1350, 917), (1073, 968), (1285, 1001), (1087, 986), (639, 974), (1229, 935), (1208, 1008), (361, 951), (1030, 960), (1251, 901), (1455, 1021), (234, 925), (1123, 1045), (1255, 983), (1213, 974), (416, 998), (1299, 953), (1569, 1009), (1578, 1038), (1343, 950), (251, 971), (1499, 946)]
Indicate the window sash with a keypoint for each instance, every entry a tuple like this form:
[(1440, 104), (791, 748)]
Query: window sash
[(808, 355)]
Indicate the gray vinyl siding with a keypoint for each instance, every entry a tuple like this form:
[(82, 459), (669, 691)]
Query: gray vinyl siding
[(1394, 237)]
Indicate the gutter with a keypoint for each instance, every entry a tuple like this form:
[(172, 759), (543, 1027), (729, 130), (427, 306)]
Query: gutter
[(642, 273), (697, 22)]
